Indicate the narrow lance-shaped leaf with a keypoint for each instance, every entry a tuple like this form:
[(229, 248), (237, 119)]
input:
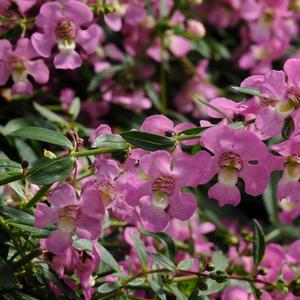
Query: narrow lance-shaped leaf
[(259, 244), (163, 261), (108, 259), (164, 238), (52, 171), (48, 114), (148, 141), (43, 135), (248, 91), (141, 250), (113, 141)]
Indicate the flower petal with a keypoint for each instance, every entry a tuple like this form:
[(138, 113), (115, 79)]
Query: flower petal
[(182, 206), (45, 215), (225, 194), (63, 195), (153, 219), (58, 242)]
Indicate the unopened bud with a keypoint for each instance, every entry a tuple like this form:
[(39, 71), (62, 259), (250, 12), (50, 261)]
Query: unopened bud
[(202, 285), (49, 154), (210, 267), (196, 28), (25, 164), (263, 271)]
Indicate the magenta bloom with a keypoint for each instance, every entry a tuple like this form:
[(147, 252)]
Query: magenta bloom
[(20, 63), (84, 215), (235, 154), (289, 186), (62, 26), (280, 97), (163, 198)]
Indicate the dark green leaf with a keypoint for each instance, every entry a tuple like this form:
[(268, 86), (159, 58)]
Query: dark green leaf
[(7, 165), (288, 127), (193, 131), (248, 91), (163, 261), (94, 84), (44, 135), (259, 244), (156, 284), (40, 193), (29, 229), (18, 188), (48, 114), (4, 179), (141, 250), (255, 292), (52, 171), (148, 141), (113, 141), (14, 213), (176, 292)]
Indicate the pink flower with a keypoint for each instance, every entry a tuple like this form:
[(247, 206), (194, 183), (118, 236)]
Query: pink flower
[(84, 215), (20, 63), (289, 186), (235, 154), (280, 97), (88, 264), (62, 26), (235, 293), (163, 198), (161, 125)]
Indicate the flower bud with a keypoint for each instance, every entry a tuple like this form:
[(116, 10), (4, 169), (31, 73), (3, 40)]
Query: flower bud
[(210, 267), (196, 28)]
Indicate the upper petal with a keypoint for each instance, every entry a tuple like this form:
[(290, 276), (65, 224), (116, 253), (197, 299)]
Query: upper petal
[(45, 215), (78, 12), (63, 195), (38, 70)]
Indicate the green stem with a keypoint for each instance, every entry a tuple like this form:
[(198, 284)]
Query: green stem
[(27, 258), (41, 192), (93, 152), (163, 90)]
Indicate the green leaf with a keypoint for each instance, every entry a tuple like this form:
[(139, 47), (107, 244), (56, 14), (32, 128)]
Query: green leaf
[(18, 188), (137, 281), (152, 94), (255, 292), (108, 259), (113, 141), (193, 131), (288, 127), (185, 264), (29, 229), (163, 261), (43, 135), (156, 283), (148, 141), (48, 114), (248, 91), (259, 244), (237, 125), (165, 239), (141, 250), (109, 287), (25, 151), (52, 170), (94, 84), (14, 125), (270, 199), (75, 108), (176, 292), (8, 279), (4, 179), (7, 165), (14, 213), (213, 287), (39, 194), (220, 260)]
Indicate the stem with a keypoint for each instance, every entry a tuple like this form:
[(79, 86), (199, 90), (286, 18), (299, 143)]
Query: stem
[(163, 90), (93, 152), (203, 101), (41, 192), (27, 258)]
